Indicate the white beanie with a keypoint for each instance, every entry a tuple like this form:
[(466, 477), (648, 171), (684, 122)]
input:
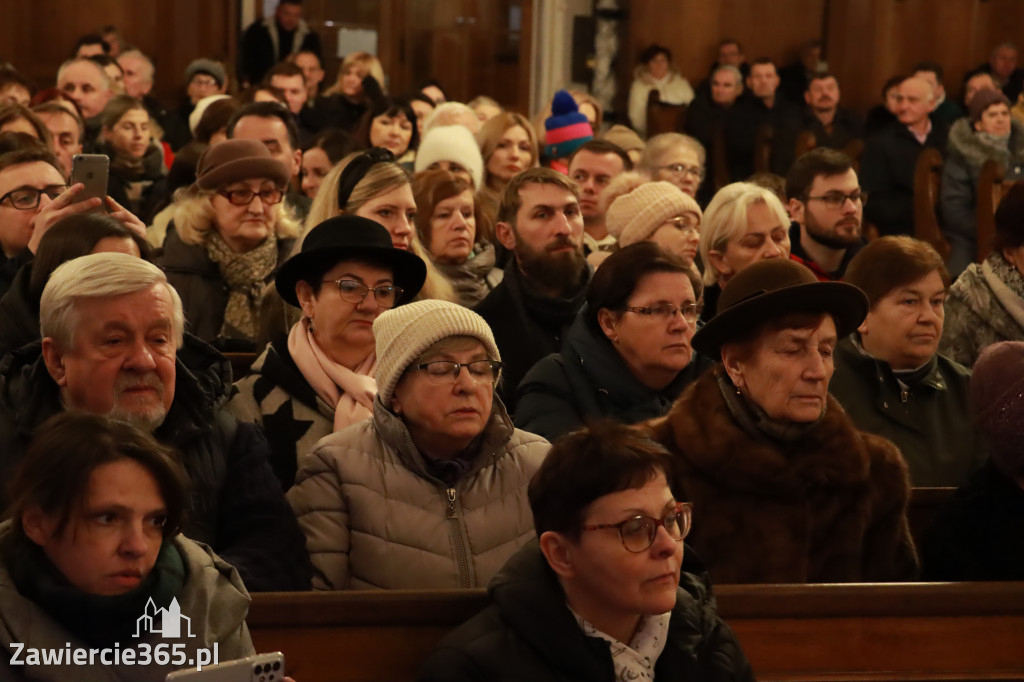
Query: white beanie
[(636, 215), (200, 109), (403, 333), (451, 143)]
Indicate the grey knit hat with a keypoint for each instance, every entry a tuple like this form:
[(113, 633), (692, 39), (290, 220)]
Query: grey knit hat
[(402, 334), (207, 66), (636, 215)]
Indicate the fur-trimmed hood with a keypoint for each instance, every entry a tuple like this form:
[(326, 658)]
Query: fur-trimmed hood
[(964, 140)]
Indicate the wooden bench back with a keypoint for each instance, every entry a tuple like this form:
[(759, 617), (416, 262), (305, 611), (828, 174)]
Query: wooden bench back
[(991, 189), (914, 631), (927, 175), (662, 117)]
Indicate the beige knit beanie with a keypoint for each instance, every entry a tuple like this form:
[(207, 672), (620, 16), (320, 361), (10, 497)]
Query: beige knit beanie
[(403, 333), (636, 215)]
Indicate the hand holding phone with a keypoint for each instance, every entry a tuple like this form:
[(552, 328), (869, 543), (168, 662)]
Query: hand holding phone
[(92, 170)]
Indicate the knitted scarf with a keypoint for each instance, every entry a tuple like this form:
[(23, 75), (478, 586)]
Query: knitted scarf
[(246, 276), (350, 392)]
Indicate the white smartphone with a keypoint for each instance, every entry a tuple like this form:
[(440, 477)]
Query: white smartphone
[(91, 170), (258, 668)]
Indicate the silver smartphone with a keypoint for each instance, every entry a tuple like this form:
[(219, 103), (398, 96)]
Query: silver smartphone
[(91, 170), (258, 668)]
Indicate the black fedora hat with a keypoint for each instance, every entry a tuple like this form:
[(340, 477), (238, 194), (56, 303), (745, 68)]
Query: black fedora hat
[(349, 237), (770, 289)]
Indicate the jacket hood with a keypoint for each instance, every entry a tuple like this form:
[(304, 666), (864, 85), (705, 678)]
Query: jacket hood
[(966, 141)]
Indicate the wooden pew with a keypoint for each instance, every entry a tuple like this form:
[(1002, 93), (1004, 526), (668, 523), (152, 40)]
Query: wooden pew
[(991, 189), (913, 631), (663, 117), (764, 138), (927, 176)]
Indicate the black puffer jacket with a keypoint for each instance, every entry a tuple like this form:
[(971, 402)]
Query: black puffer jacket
[(237, 506), (590, 380), (528, 633)]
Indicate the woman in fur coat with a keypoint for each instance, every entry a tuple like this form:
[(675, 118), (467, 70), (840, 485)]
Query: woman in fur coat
[(785, 488)]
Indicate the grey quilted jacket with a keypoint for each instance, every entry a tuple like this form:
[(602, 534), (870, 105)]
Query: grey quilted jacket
[(375, 518)]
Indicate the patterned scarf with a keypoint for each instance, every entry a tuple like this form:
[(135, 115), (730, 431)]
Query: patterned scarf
[(636, 660), (351, 393), (246, 275), (1006, 283)]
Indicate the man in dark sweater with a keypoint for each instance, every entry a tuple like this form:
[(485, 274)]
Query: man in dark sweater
[(272, 39), (890, 158), (545, 282)]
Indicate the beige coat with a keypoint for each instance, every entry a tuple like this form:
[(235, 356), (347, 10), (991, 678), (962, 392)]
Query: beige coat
[(374, 518), (213, 598)]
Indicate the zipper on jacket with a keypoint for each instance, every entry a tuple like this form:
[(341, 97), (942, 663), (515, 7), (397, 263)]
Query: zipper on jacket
[(904, 395), (461, 556)]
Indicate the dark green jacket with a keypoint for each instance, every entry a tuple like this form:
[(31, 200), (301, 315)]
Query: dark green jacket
[(929, 422), (528, 633), (589, 380)]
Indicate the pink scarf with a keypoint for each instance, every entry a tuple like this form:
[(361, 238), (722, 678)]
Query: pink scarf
[(350, 392)]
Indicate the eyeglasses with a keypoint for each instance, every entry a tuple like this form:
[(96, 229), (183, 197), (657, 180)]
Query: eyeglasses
[(638, 533), (683, 169), (206, 82), (355, 292), (685, 223), (838, 199), (27, 198), (667, 311), (444, 371), (244, 197)]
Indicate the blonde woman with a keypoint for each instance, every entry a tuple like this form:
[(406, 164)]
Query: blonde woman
[(229, 234), (370, 185), (744, 223), (360, 79), (508, 145), (676, 158)]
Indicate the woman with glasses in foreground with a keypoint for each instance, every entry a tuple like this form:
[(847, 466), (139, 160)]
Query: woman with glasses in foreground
[(228, 236), (627, 356), (788, 490), (608, 591), (430, 493), (317, 377)]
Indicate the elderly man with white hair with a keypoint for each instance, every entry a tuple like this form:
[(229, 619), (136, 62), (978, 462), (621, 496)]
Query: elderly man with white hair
[(890, 158), (113, 344)]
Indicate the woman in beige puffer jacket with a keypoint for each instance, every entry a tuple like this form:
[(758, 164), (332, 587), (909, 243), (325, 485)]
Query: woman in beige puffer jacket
[(430, 493)]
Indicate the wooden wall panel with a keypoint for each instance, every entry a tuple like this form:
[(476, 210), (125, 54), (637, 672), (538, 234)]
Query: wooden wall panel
[(693, 28), (171, 32)]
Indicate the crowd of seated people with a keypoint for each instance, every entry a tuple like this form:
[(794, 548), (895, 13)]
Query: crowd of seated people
[(476, 347)]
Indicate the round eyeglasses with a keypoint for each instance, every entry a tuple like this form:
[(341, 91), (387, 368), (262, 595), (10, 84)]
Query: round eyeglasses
[(639, 532), (683, 169), (354, 291)]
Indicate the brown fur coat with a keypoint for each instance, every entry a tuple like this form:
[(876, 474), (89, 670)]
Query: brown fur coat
[(829, 508)]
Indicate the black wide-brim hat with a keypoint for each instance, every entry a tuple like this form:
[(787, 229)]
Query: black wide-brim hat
[(770, 289), (349, 237)]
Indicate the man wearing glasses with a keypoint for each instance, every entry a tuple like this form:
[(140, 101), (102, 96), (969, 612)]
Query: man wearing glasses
[(32, 198), (826, 205)]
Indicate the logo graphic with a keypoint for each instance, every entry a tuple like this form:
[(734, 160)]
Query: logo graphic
[(169, 620)]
